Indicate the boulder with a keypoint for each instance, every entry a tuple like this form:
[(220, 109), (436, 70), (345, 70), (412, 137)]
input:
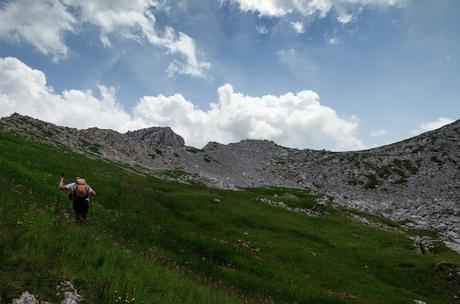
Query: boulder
[(25, 298)]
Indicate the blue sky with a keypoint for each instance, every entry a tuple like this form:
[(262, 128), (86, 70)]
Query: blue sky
[(382, 70)]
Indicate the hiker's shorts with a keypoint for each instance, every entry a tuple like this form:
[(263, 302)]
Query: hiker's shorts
[(81, 208)]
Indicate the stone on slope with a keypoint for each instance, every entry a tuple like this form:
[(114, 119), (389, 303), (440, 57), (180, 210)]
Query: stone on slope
[(25, 298)]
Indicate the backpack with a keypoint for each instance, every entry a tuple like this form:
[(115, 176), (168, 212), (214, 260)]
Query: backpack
[(80, 191)]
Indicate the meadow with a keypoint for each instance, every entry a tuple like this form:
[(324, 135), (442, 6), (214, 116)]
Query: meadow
[(148, 240)]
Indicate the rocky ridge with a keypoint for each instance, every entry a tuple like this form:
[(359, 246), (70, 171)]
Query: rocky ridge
[(416, 180)]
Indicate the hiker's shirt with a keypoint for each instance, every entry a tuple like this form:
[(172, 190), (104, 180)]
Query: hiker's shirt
[(72, 185)]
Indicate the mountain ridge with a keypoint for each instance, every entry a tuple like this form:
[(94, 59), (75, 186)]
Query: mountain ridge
[(415, 180)]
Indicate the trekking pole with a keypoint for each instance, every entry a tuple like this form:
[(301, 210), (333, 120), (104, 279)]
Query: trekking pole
[(57, 199)]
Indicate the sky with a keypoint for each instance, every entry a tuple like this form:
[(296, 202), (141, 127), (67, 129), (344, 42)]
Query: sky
[(321, 74)]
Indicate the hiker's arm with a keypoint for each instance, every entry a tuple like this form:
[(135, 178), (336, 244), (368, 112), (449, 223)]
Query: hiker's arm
[(92, 192), (61, 185)]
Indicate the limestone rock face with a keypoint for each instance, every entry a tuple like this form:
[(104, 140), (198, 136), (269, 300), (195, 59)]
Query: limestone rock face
[(158, 136), (416, 180)]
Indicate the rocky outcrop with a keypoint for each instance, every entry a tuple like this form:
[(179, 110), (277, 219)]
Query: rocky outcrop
[(97, 143), (280, 204), (65, 289), (25, 298), (158, 136), (416, 180), (425, 245)]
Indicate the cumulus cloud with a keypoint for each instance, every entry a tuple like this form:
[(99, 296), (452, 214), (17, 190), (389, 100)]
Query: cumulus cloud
[(344, 9), (298, 27), (292, 119), (25, 90), (377, 133), (23, 20), (432, 125)]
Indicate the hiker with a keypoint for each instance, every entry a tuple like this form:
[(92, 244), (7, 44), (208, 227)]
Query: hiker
[(80, 192)]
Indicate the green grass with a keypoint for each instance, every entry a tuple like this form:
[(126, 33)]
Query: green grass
[(193, 149), (165, 242), (94, 148)]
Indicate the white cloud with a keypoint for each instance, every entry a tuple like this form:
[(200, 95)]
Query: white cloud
[(432, 125), (377, 133), (131, 16), (292, 119), (186, 46), (345, 18), (262, 29), (296, 120), (333, 40), (278, 8), (298, 27), (297, 61), (24, 20), (287, 56), (24, 90)]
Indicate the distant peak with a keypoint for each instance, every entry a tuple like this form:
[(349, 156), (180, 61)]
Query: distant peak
[(16, 115), (158, 135)]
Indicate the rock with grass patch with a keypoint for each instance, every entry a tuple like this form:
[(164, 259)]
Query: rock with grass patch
[(425, 245), (25, 298), (289, 196), (71, 295), (322, 201)]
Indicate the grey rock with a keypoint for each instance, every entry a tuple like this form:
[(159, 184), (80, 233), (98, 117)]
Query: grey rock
[(71, 295), (441, 227), (424, 245), (322, 201), (304, 211), (25, 298)]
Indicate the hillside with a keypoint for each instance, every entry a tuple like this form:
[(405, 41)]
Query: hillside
[(416, 180), (150, 240)]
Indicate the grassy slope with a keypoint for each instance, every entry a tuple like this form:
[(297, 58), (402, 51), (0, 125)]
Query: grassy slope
[(163, 242)]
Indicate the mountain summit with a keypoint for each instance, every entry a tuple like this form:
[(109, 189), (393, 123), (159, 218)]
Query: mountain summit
[(158, 136)]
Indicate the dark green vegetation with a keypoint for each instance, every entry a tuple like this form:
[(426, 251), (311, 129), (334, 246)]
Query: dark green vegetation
[(398, 168), (165, 242), (94, 148), (193, 150)]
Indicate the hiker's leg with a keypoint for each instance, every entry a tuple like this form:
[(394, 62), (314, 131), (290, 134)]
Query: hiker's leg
[(84, 209), (76, 210), (79, 210)]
